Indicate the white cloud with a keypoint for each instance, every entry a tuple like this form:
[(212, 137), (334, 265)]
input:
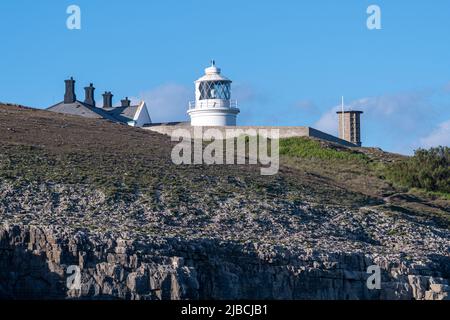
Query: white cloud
[(329, 121), (243, 93), (306, 106), (400, 112), (438, 137), (393, 105), (253, 103), (247, 93), (168, 102), (395, 122)]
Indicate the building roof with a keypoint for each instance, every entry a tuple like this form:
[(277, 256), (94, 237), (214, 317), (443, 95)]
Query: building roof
[(169, 124), (213, 74), (124, 114), (350, 111), (116, 114)]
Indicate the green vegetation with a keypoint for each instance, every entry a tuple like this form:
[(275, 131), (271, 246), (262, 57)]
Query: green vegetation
[(312, 149), (431, 194), (118, 179), (427, 169), (127, 165)]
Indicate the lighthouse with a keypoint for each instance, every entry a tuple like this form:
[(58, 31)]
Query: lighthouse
[(213, 105)]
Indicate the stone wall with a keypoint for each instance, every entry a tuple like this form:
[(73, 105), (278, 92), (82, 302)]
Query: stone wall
[(284, 132)]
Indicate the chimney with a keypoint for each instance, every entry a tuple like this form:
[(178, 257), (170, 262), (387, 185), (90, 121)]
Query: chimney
[(69, 96), (107, 100), (126, 102), (90, 100)]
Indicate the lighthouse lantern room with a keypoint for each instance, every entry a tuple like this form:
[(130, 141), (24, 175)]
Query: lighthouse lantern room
[(213, 105)]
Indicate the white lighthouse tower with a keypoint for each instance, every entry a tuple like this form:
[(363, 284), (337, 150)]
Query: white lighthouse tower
[(213, 105)]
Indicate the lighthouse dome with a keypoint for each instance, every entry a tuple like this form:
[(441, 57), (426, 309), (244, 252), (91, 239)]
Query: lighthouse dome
[(213, 73)]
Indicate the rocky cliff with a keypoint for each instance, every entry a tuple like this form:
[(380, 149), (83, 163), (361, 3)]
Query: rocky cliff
[(34, 264), (105, 200)]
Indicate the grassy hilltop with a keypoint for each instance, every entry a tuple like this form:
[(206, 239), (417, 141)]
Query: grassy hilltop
[(127, 165)]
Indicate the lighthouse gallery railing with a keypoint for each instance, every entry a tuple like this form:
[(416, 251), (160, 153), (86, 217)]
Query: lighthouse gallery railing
[(207, 104)]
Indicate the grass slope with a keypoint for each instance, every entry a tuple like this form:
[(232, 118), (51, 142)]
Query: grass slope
[(126, 164)]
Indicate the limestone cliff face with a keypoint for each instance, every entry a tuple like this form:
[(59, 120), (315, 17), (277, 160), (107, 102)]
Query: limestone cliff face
[(34, 263)]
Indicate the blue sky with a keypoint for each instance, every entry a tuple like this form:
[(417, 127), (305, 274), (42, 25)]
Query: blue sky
[(290, 60)]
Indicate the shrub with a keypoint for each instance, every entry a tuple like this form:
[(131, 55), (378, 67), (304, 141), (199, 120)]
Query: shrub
[(427, 169)]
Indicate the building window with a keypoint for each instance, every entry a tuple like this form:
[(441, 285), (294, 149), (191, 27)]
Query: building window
[(215, 90)]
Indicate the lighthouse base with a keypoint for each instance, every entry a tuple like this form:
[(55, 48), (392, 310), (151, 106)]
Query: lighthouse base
[(213, 117)]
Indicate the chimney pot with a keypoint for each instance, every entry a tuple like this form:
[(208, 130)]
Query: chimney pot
[(90, 99), (126, 102), (69, 95), (107, 100)]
